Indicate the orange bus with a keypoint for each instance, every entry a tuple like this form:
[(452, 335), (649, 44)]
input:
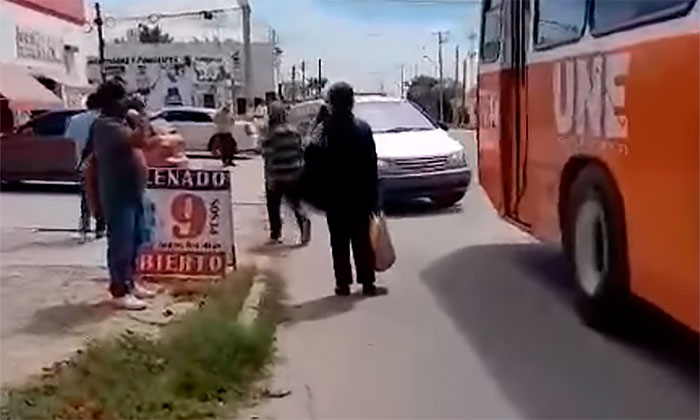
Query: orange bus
[(588, 133)]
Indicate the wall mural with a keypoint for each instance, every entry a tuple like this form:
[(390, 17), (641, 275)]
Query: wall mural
[(171, 80)]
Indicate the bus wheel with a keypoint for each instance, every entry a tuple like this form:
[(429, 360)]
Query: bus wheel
[(598, 247)]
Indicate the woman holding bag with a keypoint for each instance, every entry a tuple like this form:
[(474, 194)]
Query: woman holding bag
[(349, 185)]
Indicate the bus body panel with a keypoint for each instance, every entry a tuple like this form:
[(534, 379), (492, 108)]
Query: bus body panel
[(631, 105)]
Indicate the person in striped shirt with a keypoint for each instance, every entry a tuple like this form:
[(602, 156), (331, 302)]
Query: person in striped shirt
[(283, 156)]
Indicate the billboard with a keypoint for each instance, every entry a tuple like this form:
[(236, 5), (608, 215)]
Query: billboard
[(170, 80), (188, 228)]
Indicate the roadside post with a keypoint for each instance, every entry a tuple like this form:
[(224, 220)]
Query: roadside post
[(188, 228)]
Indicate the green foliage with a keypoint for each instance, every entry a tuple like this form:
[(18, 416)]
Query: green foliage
[(200, 367)]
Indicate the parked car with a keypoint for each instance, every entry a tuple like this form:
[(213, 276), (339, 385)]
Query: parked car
[(39, 150), (416, 157), (196, 125)]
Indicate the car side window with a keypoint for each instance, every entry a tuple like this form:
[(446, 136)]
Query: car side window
[(559, 22), (197, 117), (614, 15), (491, 31), (52, 124), (167, 116)]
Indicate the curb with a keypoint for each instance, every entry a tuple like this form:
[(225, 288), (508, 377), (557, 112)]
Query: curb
[(251, 305)]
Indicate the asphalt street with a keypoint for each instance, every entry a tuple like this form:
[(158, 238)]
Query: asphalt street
[(478, 322)]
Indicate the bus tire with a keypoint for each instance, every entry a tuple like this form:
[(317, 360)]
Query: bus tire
[(598, 247)]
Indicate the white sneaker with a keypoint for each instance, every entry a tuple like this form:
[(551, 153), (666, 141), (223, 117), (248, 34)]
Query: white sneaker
[(143, 292), (130, 303)]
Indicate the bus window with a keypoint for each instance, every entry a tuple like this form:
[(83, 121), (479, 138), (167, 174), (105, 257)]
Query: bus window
[(491, 31), (612, 15), (559, 22)]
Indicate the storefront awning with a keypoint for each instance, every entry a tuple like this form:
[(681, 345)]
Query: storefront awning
[(23, 91)]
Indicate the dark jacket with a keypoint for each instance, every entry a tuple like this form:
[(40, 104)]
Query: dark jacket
[(351, 166), (283, 154), (121, 178)]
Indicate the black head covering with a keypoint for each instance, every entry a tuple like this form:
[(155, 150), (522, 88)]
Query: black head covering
[(341, 97)]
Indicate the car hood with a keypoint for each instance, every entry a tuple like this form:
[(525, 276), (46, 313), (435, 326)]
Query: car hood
[(412, 144)]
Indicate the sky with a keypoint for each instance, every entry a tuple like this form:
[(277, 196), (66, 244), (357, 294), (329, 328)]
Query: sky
[(364, 42)]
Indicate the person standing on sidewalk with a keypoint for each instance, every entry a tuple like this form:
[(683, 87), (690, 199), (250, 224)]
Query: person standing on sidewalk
[(283, 156), (224, 121), (353, 190), (121, 179), (78, 129)]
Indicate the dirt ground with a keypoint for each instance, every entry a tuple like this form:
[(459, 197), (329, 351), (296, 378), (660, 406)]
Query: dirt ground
[(54, 291)]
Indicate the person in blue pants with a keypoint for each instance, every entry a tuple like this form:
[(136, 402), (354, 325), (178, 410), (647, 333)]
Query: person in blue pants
[(121, 179)]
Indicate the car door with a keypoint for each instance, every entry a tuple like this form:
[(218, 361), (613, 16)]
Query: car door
[(40, 151), (179, 121), (198, 127)]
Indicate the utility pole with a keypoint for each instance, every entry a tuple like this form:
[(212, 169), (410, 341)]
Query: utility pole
[(100, 39), (294, 83), (320, 75), (402, 82), (303, 80), (472, 56), (247, 53), (442, 38), (464, 91), (456, 63)]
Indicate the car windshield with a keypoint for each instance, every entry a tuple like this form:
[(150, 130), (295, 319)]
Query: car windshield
[(392, 117)]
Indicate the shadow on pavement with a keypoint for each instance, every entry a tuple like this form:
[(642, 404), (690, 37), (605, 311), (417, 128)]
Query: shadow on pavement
[(61, 318), (325, 307), (40, 187), (418, 208), (55, 242), (275, 250), (515, 305)]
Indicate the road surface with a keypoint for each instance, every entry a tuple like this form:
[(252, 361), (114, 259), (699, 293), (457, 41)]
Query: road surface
[(478, 322)]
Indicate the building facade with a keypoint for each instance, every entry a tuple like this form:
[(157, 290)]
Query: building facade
[(198, 73), (46, 39)]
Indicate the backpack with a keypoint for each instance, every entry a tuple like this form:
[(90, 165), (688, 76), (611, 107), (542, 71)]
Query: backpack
[(313, 185)]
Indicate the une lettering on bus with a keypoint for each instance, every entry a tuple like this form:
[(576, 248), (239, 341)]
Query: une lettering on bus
[(589, 95)]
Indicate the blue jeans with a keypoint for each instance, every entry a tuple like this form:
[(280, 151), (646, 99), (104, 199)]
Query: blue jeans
[(124, 238)]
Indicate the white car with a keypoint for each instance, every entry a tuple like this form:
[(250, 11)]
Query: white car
[(416, 157), (197, 128)]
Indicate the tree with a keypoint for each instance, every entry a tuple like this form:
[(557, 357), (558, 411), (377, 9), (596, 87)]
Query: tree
[(153, 35), (314, 85), (425, 91)]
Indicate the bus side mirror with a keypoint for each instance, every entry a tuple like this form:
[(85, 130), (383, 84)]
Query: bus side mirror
[(443, 126)]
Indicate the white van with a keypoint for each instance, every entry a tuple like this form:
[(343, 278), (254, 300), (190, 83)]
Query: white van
[(415, 156)]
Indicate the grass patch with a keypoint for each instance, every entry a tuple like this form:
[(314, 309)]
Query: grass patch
[(202, 366)]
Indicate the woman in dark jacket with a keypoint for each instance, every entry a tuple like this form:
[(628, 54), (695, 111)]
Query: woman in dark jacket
[(352, 190)]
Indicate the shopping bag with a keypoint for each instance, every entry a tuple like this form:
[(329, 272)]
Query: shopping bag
[(384, 255)]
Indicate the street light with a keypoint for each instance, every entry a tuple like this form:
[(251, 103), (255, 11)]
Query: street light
[(430, 60)]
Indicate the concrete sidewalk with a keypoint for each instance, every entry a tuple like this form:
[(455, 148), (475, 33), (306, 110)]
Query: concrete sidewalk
[(54, 291)]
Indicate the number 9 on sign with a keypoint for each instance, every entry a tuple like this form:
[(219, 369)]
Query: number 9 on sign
[(190, 215)]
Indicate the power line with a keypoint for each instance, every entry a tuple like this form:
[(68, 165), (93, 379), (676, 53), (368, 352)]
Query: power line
[(155, 17)]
